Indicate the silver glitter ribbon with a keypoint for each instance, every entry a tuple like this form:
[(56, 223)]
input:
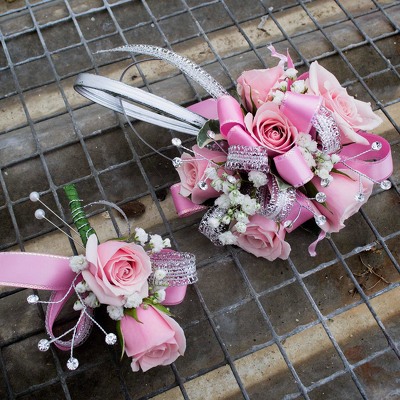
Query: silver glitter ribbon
[(180, 267), (327, 130), (276, 204), (247, 158), (208, 231), (188, 67)]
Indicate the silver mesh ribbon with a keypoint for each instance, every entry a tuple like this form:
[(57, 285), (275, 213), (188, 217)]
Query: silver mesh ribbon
[(247, 158), (327, 129), (276, 204), (180, 267), (210, 232)]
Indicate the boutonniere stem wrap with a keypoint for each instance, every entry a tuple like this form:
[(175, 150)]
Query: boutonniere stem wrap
[(292, 149), (135, 279)]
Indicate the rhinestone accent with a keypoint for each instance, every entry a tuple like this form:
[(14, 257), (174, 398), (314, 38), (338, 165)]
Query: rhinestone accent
[(177, 162), (320, 220), (43, 345), (359, 197), (111, 339), (288, 224), (247, 158), (386, 185), (327, 129), (211, 134), (32, 299), (231, 179), (72, 364), (325, 182), (320, 197), (376, 146), (176, 142), (202, 185)]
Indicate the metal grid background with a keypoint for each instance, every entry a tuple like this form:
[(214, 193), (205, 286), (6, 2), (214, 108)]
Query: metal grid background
[(46, 43)]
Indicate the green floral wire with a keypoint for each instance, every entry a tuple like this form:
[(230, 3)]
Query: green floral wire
[(78, 214)]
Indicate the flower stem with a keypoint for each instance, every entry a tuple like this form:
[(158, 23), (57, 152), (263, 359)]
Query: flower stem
[(78, 214)]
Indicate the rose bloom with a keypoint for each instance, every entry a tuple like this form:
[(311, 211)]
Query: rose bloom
[(156, 340), (340, 198), (271, 129), (263, 239), (191, 172), (350, 114), (254, 86), (116, 269)]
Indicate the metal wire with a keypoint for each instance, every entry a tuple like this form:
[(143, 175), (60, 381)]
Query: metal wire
[(158, 23)]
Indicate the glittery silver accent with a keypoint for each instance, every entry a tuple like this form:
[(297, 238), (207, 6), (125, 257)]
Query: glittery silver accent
[(210, 232), (180, 267), (288, 224), (32, 299), (211, 134), (327, 129), (320, 197), (359, 197), (43, 345), (176, 142), (386, 185), (188, 67), (247, 158), (325, 182), (177, 162), (376, 146), (202, 185), (320, 220), (72, 363), (276, 204), (111, 339)]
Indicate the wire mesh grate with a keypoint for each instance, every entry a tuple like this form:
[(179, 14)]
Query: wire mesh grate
[(310, 328)]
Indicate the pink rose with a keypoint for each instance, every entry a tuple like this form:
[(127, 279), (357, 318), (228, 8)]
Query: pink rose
[(263, 239), (350, 114), (192, 171), (254, 86), (340, 198), (116, 269), (156, 340), (271, 129)]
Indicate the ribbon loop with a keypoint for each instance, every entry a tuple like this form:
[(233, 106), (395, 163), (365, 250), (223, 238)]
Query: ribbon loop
[(180, 267), (207, 230), (293, 168)]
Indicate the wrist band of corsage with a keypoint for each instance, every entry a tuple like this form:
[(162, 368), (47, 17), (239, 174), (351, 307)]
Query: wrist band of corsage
[(292, 149), (136, 278)]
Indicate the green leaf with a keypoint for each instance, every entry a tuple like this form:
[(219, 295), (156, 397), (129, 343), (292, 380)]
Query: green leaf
[(159, 306), (210, 125), (132, 312), (121, 338), (281, 183)]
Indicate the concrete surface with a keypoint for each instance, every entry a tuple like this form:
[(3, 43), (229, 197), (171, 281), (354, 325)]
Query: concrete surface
[(245, 315)]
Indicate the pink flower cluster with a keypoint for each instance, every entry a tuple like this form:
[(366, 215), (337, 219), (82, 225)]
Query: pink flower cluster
[(279, 113), (117, 274)]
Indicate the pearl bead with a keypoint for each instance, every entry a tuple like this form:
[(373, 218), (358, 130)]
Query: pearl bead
[(34, 196), (39, 213)]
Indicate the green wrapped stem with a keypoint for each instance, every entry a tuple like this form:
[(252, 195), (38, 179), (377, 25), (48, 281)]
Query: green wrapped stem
[(78, 214)]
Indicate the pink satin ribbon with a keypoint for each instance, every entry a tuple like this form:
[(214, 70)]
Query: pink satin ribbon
[(376, 164), (44, 272), (300, 109), (292, 167), (183, 205)]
